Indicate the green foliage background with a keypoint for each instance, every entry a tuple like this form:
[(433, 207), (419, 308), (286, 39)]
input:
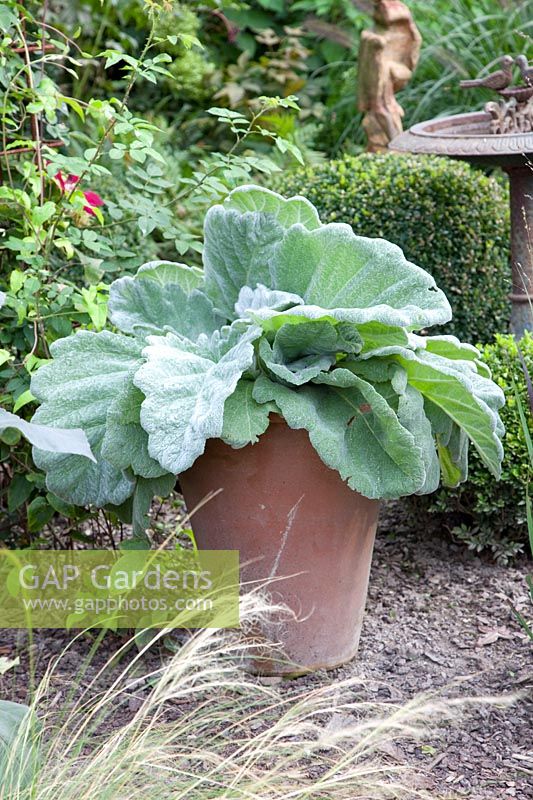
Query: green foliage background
[(482, 513), (447, 217), (306, 48)]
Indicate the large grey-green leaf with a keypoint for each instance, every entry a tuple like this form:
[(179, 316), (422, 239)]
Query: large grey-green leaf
[(125, 442), (55, 440), (470, 400), (441, 423), (354, 430), (452, 445), (228, 337), (374, 370), (12, 715), (165, 272), (382, 340), (241, 236), (453, 457), (286, 211), (185, 392), (292, 342), (301, 352), (272, 324), (261, 297), (355, 279), (77, 389), (245, 419), (296, 372), (238, 249), (17, 752), (448, 347), (390, 435), (412, 416), (140, 305)]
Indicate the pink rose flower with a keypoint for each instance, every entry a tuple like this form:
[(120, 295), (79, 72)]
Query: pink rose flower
[(68, 184)]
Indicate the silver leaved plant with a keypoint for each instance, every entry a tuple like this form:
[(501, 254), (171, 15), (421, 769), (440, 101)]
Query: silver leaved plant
[(289, 316)]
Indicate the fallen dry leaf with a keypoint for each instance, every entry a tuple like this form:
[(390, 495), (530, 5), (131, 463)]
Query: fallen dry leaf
[(492, 635)]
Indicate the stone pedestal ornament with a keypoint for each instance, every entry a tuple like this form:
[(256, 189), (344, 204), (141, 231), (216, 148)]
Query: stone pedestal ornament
[(388, 54)]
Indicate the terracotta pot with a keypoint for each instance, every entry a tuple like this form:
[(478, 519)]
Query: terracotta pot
[(290, 515)]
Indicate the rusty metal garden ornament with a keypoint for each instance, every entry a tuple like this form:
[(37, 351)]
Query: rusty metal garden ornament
[(525, 70), (500, 135), (388, 55), (498, 80), (511, 116), (514, 112)]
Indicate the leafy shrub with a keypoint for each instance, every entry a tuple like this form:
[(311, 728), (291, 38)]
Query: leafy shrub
[(481, 512), (306, 48), (190, 70), (446, 216), (289, 316)]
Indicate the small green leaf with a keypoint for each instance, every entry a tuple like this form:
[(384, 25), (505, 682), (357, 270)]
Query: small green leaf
[(20, 489), (23, 400), (7, 18), (74, 105), (39, 514), (16, 280), (41, 214), (5, 356)]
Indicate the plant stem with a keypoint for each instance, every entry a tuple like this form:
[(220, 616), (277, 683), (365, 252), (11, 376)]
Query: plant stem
[(35, 118)]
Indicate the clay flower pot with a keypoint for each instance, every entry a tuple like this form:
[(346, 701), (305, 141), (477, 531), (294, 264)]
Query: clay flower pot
[(290, 515)]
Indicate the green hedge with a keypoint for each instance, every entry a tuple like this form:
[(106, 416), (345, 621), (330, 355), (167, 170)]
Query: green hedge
[(447, 217), (482, 512)]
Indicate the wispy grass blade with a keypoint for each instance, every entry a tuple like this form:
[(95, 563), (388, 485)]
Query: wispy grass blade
[(206, 730)]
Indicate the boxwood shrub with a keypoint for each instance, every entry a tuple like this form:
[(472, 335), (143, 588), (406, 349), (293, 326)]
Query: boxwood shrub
[(449, 218), (482, 512)]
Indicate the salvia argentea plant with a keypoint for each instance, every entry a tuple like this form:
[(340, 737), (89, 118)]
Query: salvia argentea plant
[(289, 316)]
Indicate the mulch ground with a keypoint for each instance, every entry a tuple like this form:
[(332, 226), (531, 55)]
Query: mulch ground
[(439, 619)]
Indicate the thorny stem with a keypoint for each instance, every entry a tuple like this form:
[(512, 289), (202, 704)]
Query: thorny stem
[(35, 121), (71, 42), (240, 138)]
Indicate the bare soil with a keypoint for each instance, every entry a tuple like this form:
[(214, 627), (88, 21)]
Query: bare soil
[(439, 619)]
